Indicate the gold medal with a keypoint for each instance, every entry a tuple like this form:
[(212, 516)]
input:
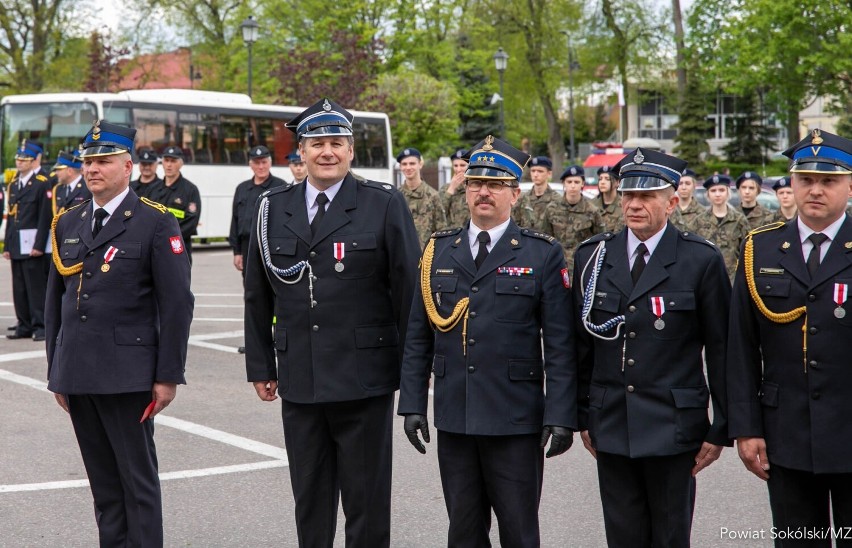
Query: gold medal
[(104, 268)]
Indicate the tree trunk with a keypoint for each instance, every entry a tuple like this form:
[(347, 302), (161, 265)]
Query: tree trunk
[(679, 55), (555, 144), (620, 47), (792, 123)]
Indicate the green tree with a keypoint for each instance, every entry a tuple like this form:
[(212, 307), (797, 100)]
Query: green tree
[(423, 111), (32, 33), (750, 137), (796, 50), (693, 126)]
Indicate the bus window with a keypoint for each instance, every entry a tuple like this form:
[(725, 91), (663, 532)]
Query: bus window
[(370, 144), (199, 133), (271, 133), (59, 126), (118, 115), (155, 128), (235, 137)]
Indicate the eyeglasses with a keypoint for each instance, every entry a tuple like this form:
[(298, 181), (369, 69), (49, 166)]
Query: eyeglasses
[(494, 187)]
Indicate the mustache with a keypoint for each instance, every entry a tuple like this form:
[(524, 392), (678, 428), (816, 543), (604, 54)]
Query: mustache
[(484, 200)]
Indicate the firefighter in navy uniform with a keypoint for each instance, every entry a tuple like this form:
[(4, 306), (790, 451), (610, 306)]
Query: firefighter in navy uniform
[(27, 231), (335, 260), (245, 200), (70, 190), (652, 309), (148, 182), (179, 195), (488, 294), (789, 380), (118, 313)]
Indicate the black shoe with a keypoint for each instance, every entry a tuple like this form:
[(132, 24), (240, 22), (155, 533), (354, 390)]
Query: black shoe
[(12, 328), (17, 335), (241, 350), (38, 337)]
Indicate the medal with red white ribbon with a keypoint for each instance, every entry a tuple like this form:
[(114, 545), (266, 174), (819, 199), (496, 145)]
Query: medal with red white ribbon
[(108, 257), (841, 292), (658, 307), (339, 253)]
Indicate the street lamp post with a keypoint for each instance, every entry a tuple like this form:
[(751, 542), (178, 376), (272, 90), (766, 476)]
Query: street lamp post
[(249, 27), (500, 61)]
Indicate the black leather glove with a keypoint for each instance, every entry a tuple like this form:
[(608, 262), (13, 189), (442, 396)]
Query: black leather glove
[(412, 424), (561, 441)]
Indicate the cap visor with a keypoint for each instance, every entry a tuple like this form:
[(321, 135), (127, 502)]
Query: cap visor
[(103, 150), (327, 131), (642, 182), (488, 173), (820, 167)]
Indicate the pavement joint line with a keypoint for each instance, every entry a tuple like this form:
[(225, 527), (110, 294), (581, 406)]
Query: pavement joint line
[(246, 444), (220, 335), (218, 305), (218, 319), (214, 346), (215, 295), (179, 474), (17, 356)]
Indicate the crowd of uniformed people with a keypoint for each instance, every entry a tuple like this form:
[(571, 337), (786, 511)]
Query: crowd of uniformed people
[(530, 316)]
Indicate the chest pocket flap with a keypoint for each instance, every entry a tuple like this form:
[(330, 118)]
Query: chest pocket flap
[(357, 242), (444, 284), (515, 285), (282, 246), (607, 302), (771, 286), (676, 300), (70, 251), (128, 250)]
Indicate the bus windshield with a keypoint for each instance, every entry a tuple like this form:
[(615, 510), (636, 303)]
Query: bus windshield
[(59, 126)]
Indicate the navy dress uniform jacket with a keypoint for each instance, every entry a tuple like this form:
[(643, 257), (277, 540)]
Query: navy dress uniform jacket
[(348, 346), (121, 330), (497, 388), (804, 417), (62, 200), (645, 394), (243, 209), (29, 207)]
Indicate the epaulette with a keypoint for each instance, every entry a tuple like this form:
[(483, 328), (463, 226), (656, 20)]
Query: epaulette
[(156, 205), (64, 211), (387, 187), (693, 237), (767, 228), (602, 237), (41, 177), (53, 174), (445, 233), (276, 190), (540, 235)]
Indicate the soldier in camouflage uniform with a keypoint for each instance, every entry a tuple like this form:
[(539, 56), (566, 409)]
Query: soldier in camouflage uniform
[(423, 200), (453, 194), (574, 218), (749, 185), (723, 225), (786, 201), (608, 201), (529, 211), (688, 209)]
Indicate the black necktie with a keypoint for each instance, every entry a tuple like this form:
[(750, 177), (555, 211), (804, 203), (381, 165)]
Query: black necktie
[(638, 263), (322, 199), (817, 239), (483, 238), (100, 215)]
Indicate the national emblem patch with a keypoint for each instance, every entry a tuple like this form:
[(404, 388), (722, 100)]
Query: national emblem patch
[(566, 278), (177, 244)]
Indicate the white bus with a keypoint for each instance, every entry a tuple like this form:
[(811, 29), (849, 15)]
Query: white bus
[(215, 131)]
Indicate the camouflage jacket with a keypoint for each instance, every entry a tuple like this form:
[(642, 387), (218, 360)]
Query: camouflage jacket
[(779, 216), (533, 208), (727, 234), (684, 219), (455, 207), (612, 215), (427, 210), (572, 224), (758, 216)]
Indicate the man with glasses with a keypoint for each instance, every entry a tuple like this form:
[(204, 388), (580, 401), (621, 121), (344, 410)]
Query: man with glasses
[(27, 231), (487, 295)]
